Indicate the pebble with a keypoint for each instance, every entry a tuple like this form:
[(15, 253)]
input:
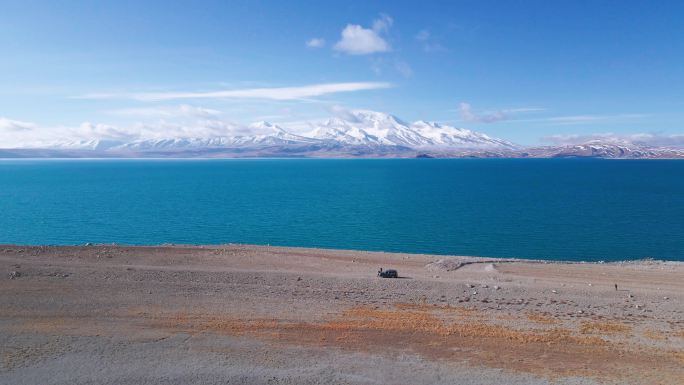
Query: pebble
[(554, 291)]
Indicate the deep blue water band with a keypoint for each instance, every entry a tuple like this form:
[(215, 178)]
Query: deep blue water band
[(569, 209)]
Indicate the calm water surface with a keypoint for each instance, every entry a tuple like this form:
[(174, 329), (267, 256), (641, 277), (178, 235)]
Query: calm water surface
[(570, 209)]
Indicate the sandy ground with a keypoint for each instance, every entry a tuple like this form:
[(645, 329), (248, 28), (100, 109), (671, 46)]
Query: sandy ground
[(266, 315)]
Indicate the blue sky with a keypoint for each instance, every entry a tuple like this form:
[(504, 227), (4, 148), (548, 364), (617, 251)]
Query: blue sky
[(524, 71)]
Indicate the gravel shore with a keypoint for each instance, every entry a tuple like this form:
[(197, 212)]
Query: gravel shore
[(235, 314)]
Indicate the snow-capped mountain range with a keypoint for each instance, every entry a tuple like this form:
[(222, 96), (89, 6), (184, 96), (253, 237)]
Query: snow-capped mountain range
[(369, 128), (358, 129), (355, 134)]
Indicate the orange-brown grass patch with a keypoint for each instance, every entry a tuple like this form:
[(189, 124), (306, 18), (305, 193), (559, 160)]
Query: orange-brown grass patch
[(435, 307), (195, 323), (363, 318), (420, 328), (593, 327), (45, 325), (423, 329), (679, 355), (655, 335), (542, 318)]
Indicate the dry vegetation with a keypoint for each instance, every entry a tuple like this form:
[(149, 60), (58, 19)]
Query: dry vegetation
[(467, 337), (542, 318), (594, 327)]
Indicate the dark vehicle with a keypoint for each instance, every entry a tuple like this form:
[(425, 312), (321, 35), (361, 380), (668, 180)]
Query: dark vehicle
[(389, 273)]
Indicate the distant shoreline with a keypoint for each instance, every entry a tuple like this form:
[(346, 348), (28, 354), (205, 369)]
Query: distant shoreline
[(339, 158), (602, 150), (467, 259)]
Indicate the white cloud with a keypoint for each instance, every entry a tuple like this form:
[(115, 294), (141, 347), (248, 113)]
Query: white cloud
[(356, 40), (582, 119), (315, 43), (343, 113), (88, 130), (201, 128), (644, 139), (14, 125), (280, 93), (182, 110), (523, 109), (469, 115), (383, 23)]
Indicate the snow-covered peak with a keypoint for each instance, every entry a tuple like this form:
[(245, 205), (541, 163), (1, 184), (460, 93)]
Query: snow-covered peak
[(376, 118), (449, 136), (364, 127), (265, 127)]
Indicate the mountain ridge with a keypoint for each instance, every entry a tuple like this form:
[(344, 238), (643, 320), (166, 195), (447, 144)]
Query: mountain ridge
[(359, 133), (358, 128)]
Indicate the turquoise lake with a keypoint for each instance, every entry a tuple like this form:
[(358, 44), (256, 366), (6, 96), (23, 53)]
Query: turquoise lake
[(559, 209)]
